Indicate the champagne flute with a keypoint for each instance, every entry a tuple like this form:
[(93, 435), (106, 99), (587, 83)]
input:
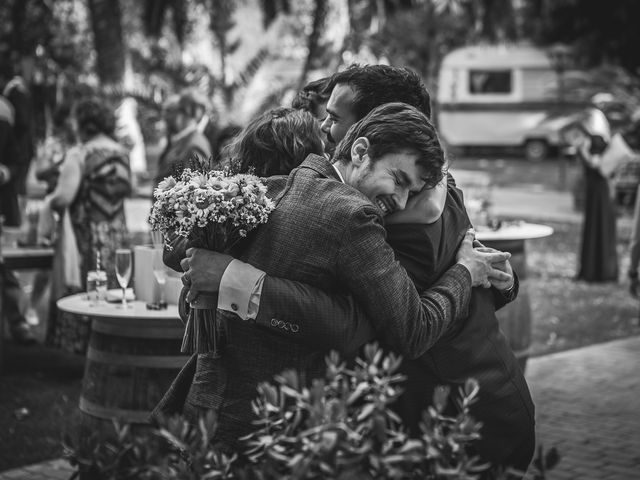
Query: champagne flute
[(160, 272), (123, 271)]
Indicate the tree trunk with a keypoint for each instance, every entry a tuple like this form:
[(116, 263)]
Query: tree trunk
[(319, 14), (107, 37)]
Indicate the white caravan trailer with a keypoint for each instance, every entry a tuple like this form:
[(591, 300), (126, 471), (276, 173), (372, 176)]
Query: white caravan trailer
[(498, 95)]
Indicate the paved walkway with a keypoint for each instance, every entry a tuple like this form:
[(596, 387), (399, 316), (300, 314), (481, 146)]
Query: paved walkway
[(588, 407), (588, 404)]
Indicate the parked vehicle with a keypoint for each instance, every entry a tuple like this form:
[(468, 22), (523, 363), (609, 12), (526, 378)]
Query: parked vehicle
[(501, 96)]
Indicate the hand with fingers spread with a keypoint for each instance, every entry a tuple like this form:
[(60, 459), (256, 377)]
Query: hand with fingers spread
[(500, 283), (481, 265), (203, 270)]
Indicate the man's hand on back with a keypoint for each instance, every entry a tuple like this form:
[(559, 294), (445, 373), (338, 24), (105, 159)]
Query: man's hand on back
[(203, 270), (505, 266), (485, 267)]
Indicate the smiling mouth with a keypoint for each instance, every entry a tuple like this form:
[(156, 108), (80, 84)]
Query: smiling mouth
[(386, 207)]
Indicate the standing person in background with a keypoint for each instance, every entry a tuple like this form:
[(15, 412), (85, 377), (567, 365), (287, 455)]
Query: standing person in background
[(12, 294), (634, 249), (17, 92), (598, 257), (93, 184), (184, 138), (204, 117)]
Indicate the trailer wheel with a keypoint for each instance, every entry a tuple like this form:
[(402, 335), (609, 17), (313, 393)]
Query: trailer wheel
[(536, 150)]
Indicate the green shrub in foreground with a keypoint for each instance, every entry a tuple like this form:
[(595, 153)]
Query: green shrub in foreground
[(341, 427)]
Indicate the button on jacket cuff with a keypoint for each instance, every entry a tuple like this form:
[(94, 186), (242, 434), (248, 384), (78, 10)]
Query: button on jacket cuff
[(240, 289)]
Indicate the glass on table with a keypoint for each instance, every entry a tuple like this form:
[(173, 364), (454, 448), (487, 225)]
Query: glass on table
[(92, 292), (160, 272), (123, 271), (101, 285)]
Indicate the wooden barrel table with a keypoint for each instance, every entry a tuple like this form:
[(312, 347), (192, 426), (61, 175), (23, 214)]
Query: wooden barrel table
[(132, 358), (515, 318)]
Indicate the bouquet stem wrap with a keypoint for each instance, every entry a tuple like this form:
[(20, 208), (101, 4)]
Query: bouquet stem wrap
[(204, 331)]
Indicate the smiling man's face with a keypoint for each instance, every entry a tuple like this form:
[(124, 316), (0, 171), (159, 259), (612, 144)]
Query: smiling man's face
[(389, 180), (340, 115)]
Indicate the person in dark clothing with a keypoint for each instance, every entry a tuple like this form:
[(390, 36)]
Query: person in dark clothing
[(185, 140), (598, 255), (17, 92), (10, 167)]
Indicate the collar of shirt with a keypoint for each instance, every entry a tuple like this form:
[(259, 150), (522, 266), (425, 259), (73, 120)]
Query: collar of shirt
[(183, 133), (338, 172)]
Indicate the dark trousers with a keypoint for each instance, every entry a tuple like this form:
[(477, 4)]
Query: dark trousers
[(12, 295)]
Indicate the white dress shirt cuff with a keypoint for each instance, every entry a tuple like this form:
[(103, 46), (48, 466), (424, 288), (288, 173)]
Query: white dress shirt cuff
[(240, 289)]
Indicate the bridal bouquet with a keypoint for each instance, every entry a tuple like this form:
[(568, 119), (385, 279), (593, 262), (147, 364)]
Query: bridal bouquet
[(212, 210)]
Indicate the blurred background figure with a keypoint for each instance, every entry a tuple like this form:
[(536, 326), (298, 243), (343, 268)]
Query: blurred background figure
[(205, 117), (18, 93), (184, 139), (13, 298), (52, 150), (313, 98), (129, 134), (91, 189), (634, 250), (598, 257), (226, 136)]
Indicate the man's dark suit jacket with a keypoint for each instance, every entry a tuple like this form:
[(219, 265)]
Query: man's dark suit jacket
[(330, 236)]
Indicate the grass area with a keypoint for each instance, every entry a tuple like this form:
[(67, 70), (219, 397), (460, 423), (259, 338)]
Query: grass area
[(39, 393), (567, 313)]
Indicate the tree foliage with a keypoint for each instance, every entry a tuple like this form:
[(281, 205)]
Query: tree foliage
[(600, 32)]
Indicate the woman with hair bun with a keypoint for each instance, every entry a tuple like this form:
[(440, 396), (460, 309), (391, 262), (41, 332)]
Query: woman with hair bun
[(93, 184)]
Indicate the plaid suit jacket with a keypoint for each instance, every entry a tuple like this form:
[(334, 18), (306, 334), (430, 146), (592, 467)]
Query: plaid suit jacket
[(328, 235)]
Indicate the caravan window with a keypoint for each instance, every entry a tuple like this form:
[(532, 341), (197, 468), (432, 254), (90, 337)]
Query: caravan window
[(489, 81)]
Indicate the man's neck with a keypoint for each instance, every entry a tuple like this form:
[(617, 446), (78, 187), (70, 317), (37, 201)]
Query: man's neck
[(341, 168)]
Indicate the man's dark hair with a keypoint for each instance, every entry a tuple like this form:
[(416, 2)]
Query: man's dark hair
[(396, 128), (312, 96), (276, 142), (375, 85)]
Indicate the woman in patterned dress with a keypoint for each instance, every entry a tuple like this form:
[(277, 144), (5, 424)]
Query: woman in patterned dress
[(93, 184)]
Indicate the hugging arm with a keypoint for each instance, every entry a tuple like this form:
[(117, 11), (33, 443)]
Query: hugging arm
[(312, 316), (306, 314)]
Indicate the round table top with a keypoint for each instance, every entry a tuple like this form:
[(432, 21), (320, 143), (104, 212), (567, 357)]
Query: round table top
[(514, 231), (79, 304), (26, 252)]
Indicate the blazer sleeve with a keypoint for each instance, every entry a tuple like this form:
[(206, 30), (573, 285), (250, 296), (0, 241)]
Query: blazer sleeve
[(503, 298), (319, 319), (408, 322)]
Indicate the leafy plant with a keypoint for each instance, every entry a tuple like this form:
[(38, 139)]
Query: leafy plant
[(340, 427)]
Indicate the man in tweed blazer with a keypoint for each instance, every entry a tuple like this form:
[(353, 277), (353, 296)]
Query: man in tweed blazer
[(329, 235)]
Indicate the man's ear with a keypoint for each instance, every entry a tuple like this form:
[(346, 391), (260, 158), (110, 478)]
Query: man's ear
[(359, 149)]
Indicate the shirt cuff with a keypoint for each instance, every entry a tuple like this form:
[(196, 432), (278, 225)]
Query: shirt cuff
[(240, 289)]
